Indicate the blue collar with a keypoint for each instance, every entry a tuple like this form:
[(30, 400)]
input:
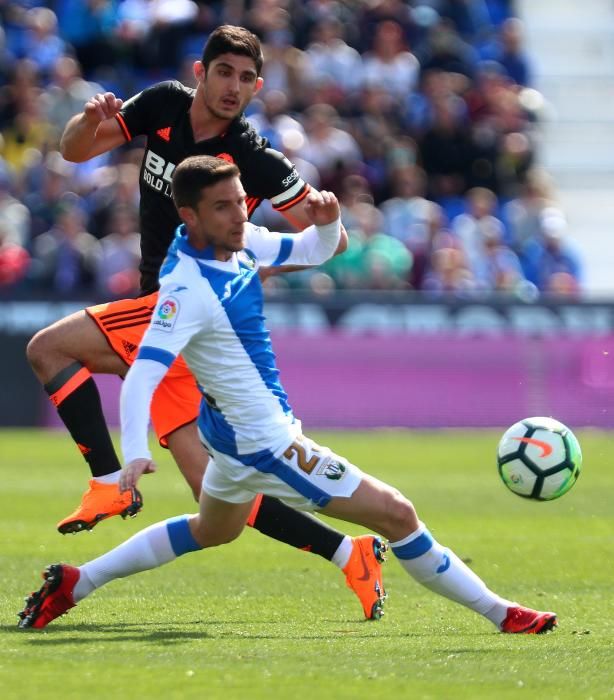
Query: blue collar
[(181, 242)]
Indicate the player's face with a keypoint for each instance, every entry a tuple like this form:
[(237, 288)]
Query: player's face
[(229, 84), (219, 218)]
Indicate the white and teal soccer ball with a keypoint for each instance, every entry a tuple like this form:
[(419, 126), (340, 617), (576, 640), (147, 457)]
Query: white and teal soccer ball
[(539, 458)]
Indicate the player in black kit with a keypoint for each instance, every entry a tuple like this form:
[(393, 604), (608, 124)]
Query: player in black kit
[(177, 122)]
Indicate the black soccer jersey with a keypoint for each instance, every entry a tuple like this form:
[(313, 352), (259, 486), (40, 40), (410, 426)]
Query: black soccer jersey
[(161, 113)]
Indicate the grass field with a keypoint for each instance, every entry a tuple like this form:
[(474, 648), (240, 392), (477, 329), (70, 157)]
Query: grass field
[(259, 620)]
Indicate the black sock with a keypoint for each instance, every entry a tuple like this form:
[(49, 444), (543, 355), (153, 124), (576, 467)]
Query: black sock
[(298, 529), (75, 395)]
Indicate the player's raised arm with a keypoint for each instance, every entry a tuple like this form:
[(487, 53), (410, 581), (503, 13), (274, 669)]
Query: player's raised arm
[(94, 131), (298, 217), (312, 246)]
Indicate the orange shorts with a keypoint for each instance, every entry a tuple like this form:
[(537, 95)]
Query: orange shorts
[(177, 398)]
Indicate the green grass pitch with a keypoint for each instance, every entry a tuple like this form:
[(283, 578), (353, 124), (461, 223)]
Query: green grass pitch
[(256, 619)]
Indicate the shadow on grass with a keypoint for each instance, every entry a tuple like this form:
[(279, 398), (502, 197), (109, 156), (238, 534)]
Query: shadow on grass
[(238, 630)]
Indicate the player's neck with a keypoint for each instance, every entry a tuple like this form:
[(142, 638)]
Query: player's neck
[(202, 243), (205, 125)]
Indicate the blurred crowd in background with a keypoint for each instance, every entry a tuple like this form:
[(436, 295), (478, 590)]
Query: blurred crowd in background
[(420, 115)]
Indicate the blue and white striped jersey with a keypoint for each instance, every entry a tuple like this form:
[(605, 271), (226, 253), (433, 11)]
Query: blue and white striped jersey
[(212, 313)]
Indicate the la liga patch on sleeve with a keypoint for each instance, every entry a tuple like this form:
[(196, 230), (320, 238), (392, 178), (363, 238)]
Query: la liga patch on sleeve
[(166, 314)]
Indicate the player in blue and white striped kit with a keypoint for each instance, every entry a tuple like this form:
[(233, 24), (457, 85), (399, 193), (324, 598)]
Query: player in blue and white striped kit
[(210, 311)]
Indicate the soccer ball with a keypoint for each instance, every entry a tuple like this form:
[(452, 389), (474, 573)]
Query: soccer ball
[(539, 458)]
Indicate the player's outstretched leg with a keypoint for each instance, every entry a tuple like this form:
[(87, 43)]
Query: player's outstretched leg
[(63, 357), (156, 545), (378, 506)]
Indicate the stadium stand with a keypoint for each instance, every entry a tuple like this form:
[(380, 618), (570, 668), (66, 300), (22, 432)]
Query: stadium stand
[(405, 109)]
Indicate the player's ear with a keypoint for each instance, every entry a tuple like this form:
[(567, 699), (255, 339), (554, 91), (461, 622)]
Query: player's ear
[(187, 215), (259, 84), (199, 70)]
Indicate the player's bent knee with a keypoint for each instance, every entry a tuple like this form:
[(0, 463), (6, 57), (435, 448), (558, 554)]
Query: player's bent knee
[(40, 347), (400, 516)]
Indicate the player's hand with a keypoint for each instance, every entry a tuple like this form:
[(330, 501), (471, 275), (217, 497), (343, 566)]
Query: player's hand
[(322, 207), (133, 471), (102, 106)]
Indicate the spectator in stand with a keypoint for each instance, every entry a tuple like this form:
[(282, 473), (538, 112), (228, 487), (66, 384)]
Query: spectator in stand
[(372, 260), (271, 120), (446, 153), (378, 130), (65, 257), (171, 21), (390, 64), (66, 94), (332, 150), (501, 134), (355, 190), (14, 259), (116, 273), (522, 215), (115, 186), (45, 181), (412, 219), (470, 18), (29, 135), (499, 269), (284, 65), (476, 225), (445, 50), (14, 216), (386, 261), (43, 45), (550, 261), (330, 59), (406, 215), (448, 273), (23, 79), (508, 51), (89, 27)]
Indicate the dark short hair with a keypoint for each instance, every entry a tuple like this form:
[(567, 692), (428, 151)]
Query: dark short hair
[(193, 174), (231, 39)]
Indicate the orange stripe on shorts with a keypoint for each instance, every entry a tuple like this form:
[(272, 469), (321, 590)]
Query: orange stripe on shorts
[(254, 512)]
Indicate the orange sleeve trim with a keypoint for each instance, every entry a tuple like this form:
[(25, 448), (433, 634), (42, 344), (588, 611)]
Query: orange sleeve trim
[(71, 385), (252, 204), (254, 512), (122, 123), (292, 202)]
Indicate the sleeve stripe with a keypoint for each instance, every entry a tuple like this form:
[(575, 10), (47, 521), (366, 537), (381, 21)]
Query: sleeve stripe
[(147, 352), (252, 204), (122, 123), (292, 202), (284, 250)]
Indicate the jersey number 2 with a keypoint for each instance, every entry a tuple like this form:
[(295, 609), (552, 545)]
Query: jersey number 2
[(298, 450)]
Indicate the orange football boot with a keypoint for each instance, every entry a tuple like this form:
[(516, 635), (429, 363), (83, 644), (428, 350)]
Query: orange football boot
[(363, 574), (99, 502)]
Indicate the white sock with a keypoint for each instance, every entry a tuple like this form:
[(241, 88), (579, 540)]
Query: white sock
[(155, 545), (343, 552), (441, 571), (112, 478)]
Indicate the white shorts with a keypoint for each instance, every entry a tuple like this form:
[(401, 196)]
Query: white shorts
[(304, 475)]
